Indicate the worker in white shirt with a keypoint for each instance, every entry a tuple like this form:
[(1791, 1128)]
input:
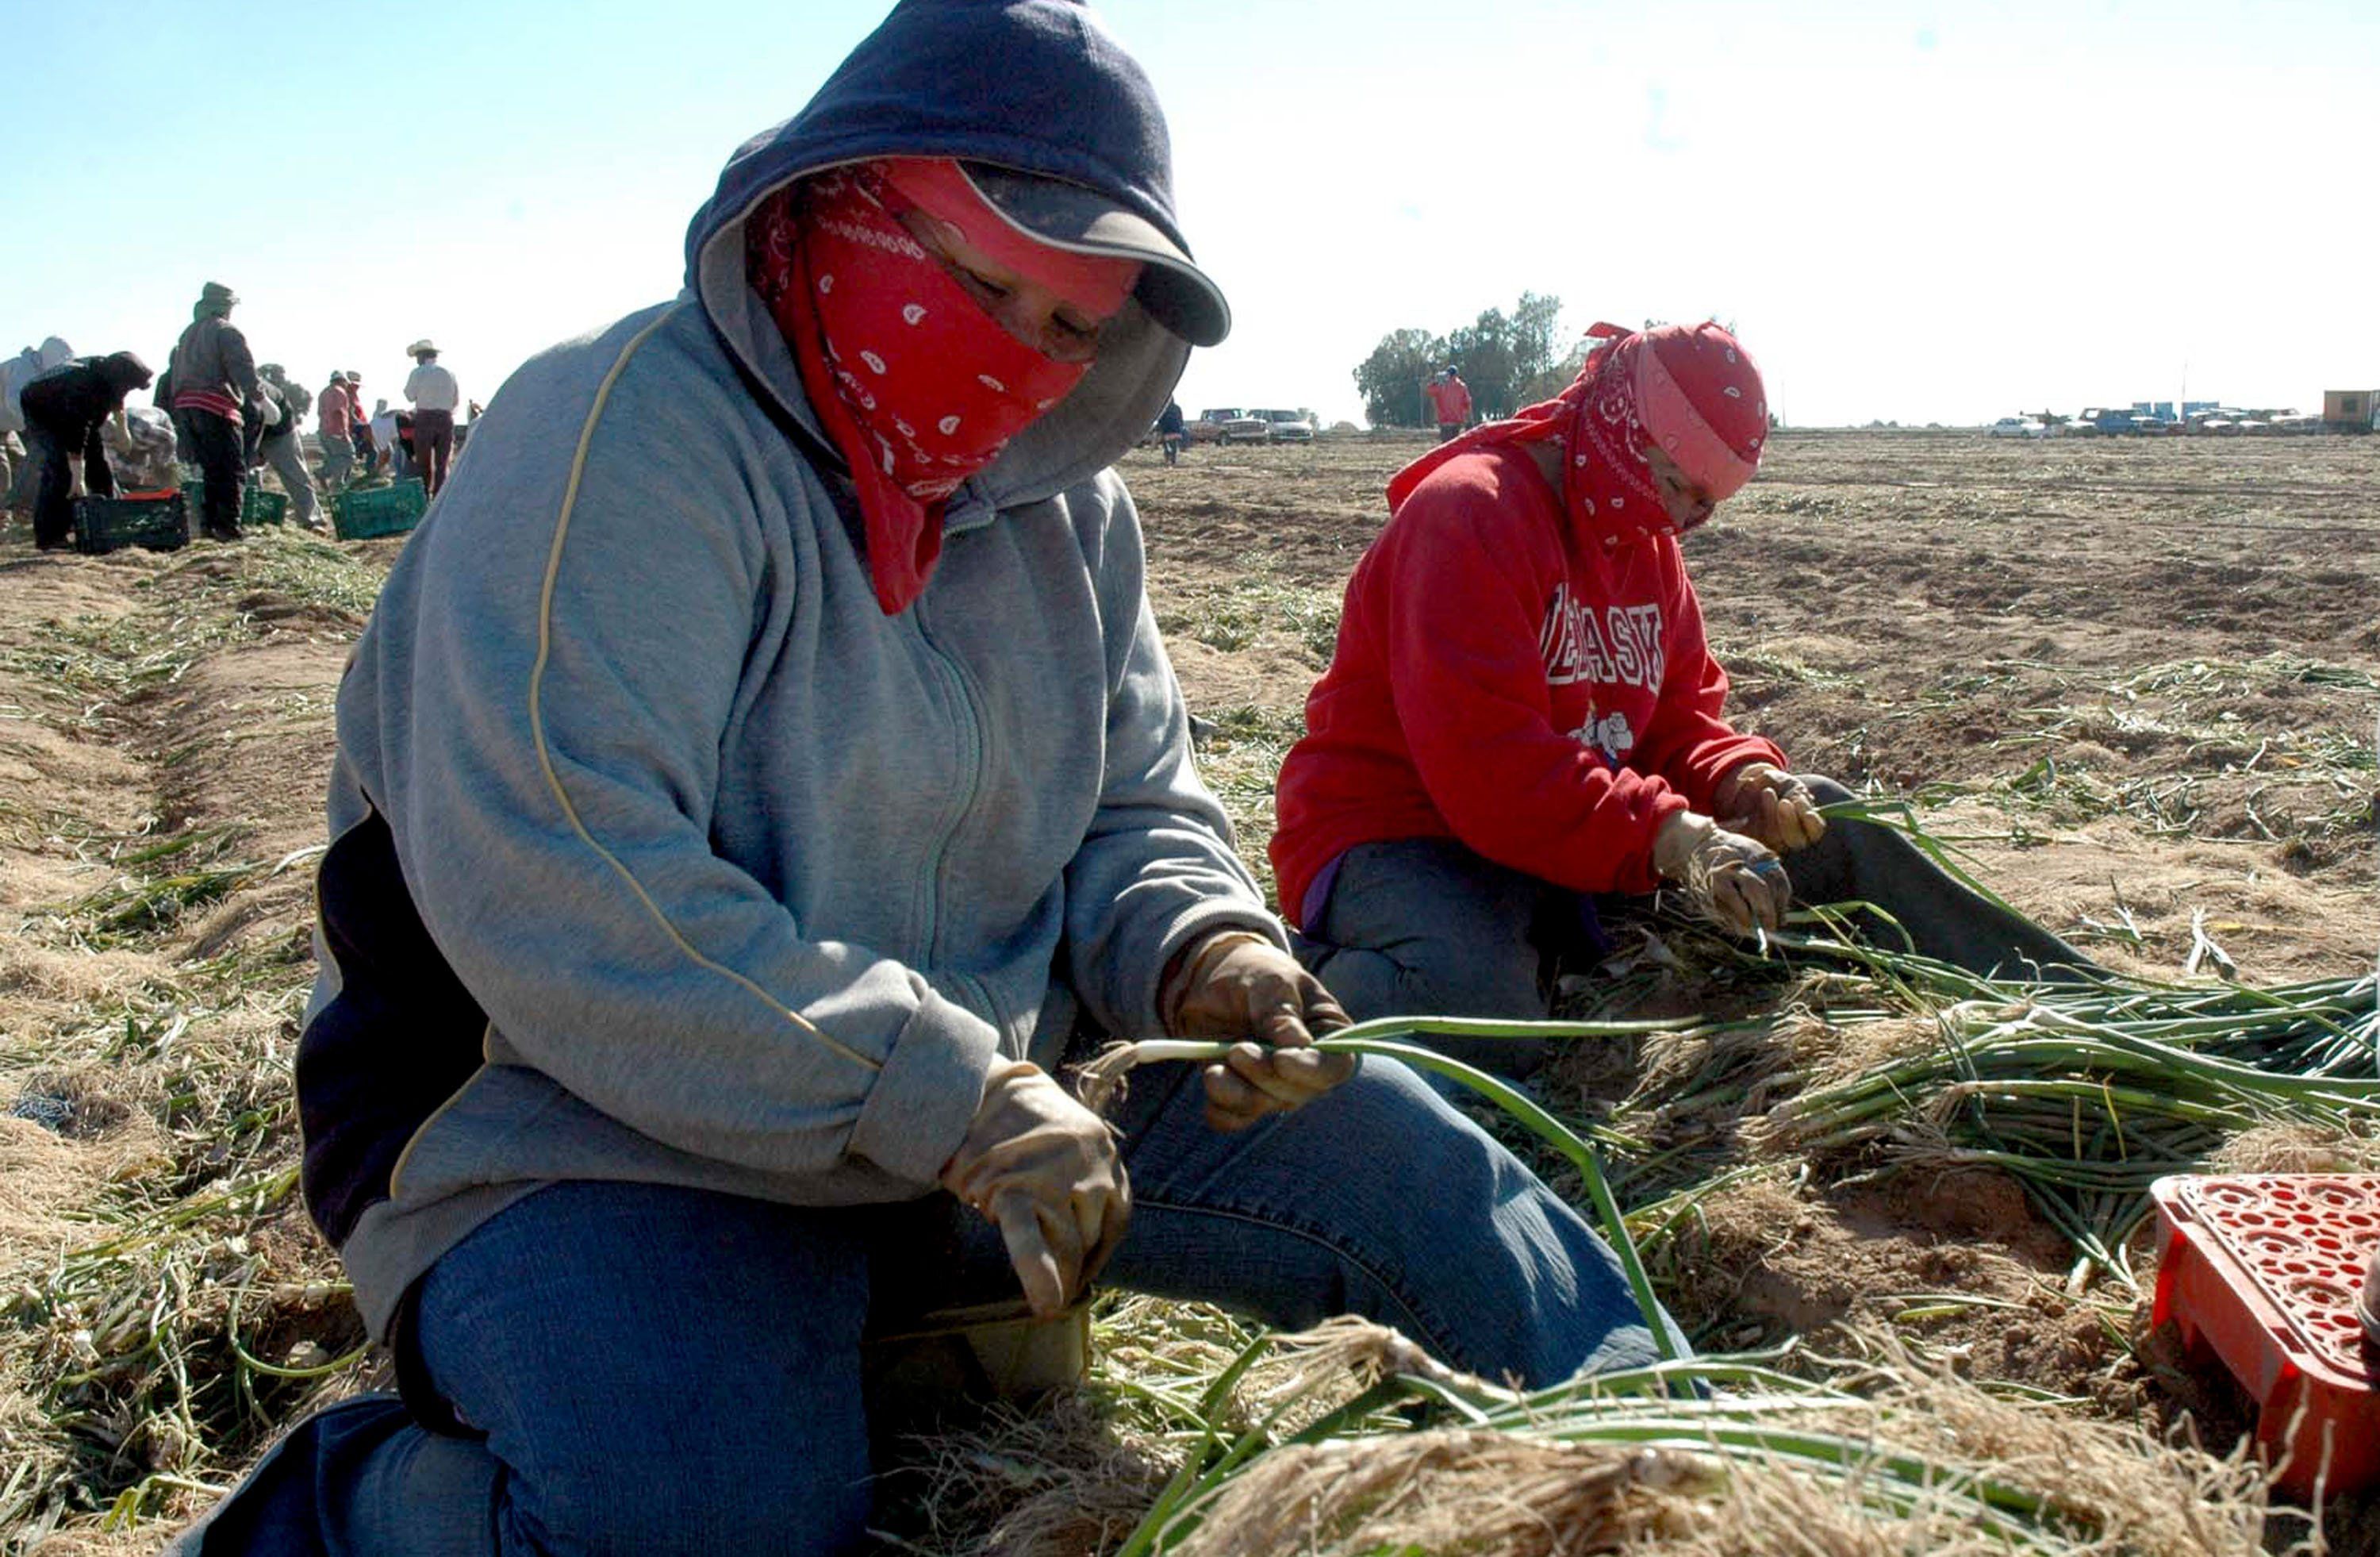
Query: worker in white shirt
[(435, 398), (389, 439)]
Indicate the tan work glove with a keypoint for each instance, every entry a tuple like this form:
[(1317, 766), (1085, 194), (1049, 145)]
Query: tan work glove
[(1737, 880), (1236, 984), (1761, 800), (1045, 1170)]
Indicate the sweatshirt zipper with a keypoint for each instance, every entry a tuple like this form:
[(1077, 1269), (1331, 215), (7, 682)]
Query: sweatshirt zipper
[(969, 728)]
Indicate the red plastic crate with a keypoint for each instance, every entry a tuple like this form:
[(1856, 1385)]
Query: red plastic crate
[(2264, 1270)]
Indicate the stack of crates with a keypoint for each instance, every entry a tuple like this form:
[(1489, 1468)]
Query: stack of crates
[(363, 513), (107, 524), (2264, 1273)]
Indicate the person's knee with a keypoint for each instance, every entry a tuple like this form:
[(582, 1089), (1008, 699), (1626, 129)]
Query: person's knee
[(1453, 979), (1510, 1279)]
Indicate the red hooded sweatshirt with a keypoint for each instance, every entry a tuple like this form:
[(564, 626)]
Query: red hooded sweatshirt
[(1534, 685), (1449, 400)]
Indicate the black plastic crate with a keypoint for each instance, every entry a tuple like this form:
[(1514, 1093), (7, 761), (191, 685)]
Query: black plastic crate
[(108, 524)]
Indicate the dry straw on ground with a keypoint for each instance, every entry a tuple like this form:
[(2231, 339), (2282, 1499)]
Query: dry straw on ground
[(2136, 725), (1560, 1474)]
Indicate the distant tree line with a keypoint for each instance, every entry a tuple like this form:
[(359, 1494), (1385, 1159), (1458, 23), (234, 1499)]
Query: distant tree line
[(1509, 360)]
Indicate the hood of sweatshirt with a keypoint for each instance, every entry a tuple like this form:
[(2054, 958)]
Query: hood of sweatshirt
[(1037, 86)]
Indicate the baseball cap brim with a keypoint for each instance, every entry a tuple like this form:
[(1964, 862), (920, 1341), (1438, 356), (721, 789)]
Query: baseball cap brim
[(1176, 293)]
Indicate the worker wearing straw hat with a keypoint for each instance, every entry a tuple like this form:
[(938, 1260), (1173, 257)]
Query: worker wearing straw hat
[(762, 772), (436, 398), (1523, 712)]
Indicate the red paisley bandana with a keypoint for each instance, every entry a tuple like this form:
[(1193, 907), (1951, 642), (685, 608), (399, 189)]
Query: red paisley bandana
[(918, 387), (1692, 391)]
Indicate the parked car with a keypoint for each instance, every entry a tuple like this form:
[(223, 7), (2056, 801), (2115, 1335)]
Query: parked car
[(1228, 424), (2017, 427), (1289, 427)]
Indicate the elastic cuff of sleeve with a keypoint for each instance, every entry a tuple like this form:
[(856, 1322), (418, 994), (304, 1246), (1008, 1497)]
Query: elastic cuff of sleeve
[(1637, 873), (918, 1111)]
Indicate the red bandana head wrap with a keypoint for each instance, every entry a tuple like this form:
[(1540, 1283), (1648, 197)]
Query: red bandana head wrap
[(919, 387), (1692, 392)]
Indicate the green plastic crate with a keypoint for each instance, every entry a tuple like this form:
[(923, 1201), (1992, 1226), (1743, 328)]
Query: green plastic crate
[(256, 506), (367, 512), (108, 524)]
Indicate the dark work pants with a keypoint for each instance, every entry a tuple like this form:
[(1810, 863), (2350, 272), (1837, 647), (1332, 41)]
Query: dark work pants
[(1425, 927), (433, 446), (53, 497), (223, 461)]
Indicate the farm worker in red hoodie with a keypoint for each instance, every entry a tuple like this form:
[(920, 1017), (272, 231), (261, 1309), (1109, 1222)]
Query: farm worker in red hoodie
[(1449, 401), (1523, 712)]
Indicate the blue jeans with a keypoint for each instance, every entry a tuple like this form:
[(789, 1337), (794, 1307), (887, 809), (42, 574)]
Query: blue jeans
[(659, 1369), (1425, 927), (1422, 927)]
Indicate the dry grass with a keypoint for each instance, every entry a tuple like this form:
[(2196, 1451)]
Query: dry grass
[(1921, 1455), (164, 1307)]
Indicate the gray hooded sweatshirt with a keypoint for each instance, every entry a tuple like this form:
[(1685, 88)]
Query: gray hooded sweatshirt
[(659, 853)]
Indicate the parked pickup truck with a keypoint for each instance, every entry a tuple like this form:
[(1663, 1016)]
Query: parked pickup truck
[(1228, 424)]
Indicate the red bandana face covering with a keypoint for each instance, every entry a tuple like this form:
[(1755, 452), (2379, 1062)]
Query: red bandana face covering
[(916, 384), (1693, 393)]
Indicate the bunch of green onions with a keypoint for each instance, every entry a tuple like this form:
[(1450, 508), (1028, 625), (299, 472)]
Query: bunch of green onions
[(2088, 1093)]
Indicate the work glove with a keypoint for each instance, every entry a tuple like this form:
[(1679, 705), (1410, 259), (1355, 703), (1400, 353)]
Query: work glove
[(1237, 987), (1761, 800), (1737, 880), (1044, 1169)]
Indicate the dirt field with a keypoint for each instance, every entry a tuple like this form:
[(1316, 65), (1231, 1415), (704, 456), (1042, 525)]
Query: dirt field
[(2136, 681)]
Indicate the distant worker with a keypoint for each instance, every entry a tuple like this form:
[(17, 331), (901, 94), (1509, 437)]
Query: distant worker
[(282, 446), (62, 410), (15, 374), (1170, 433), (386, 444), (335, 407), (435, 399), (139, 441), (359, 429), (472, 412), (1449, 401), (214, 385), (1523, 712)]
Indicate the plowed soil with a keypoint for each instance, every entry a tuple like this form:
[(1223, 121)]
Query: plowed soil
[(2135, 679)]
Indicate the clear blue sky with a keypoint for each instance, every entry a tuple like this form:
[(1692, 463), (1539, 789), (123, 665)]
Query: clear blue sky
[(1910, 212)]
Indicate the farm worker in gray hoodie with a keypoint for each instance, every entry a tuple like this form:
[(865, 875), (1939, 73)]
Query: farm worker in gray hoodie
[(760, 772)]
